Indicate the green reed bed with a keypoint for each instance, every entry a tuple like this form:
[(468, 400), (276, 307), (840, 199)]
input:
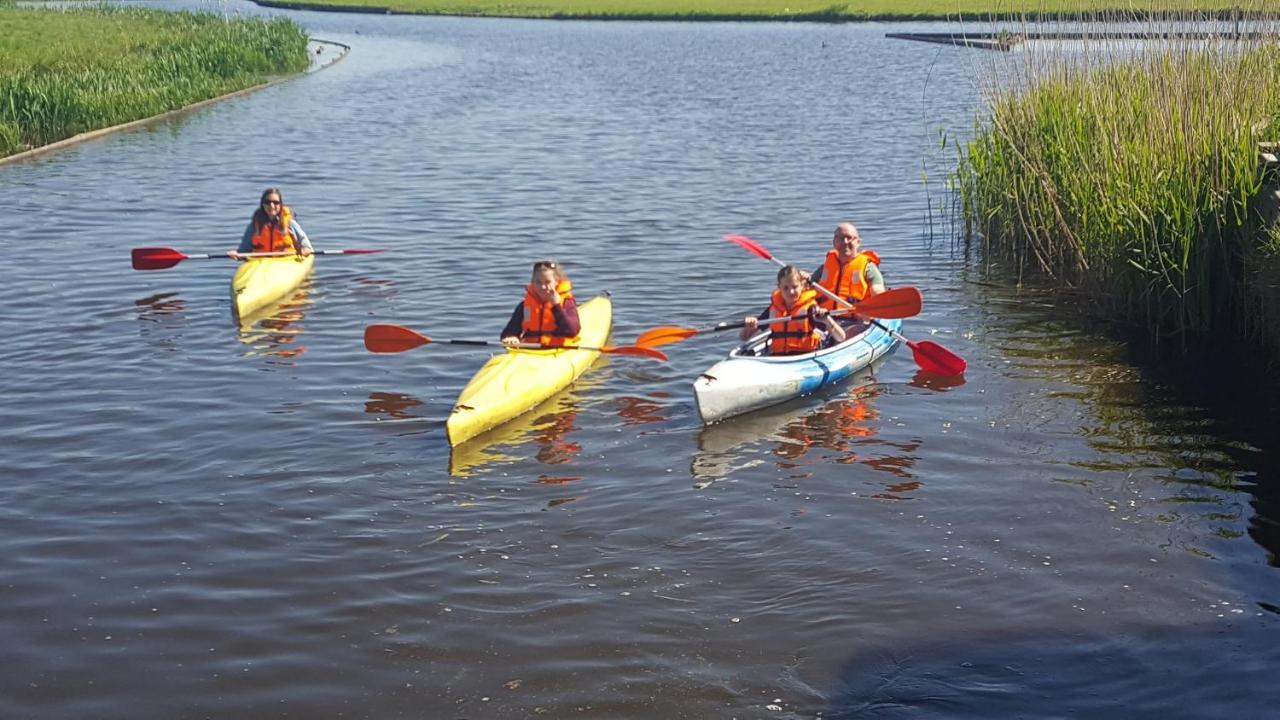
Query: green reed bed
[(816, 10), (1133, 179), (64, 72)]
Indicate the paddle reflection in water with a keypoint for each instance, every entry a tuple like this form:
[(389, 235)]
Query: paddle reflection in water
[(274, 332), (392, 405), (549, 425), (642, 410), (161, 319), (926, 380)]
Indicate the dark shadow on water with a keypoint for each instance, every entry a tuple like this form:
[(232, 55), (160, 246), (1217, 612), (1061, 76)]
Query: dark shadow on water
[(1209, 414), (1168, 673)]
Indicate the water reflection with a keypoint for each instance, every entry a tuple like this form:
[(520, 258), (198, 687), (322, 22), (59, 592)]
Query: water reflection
[(392, 405), (161, 317), (641, 410), (926, 380), (274, 332), (566, 480), (797, 437), (550, 426)]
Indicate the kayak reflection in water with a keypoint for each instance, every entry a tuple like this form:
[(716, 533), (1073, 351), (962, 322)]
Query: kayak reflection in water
[(276, 335), (272, 229), (794, 298), (548, 315)]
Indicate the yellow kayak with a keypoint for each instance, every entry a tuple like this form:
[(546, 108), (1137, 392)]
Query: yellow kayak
[(259, 282), (514, 382)]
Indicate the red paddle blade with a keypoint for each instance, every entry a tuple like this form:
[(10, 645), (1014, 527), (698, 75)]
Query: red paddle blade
[(155, 258), (664, 335), (636, 351), (750, 245), (933, 357), (903, 302), (392, 338)]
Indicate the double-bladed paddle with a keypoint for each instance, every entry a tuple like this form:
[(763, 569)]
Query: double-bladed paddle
[(381, 338), (161, 258), (929, 355), (900, 302)]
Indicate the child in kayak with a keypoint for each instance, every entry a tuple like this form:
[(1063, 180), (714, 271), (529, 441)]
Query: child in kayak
[(272, 229), (805, 334), (548, 315)]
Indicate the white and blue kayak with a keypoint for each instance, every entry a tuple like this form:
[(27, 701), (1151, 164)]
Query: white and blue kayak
[(750, 378)]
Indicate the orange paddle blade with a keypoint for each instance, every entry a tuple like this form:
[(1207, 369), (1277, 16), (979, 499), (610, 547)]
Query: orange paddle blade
[(903, 302), (634, 350), (665, 335), (392, 338)]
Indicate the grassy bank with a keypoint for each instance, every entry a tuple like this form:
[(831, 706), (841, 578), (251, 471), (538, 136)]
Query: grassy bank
[(68, 72), (1136, 180), (818, 10)]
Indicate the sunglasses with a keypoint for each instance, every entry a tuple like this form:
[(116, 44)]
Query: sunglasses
[(545, 265), (270, 202)]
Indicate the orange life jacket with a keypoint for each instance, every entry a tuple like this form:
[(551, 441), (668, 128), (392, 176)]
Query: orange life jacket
[(793, 336), (849, 280), (539, 324), (273, 237)]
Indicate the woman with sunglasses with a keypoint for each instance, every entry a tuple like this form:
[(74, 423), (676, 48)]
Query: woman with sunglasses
[(272, 229), (548, 315)]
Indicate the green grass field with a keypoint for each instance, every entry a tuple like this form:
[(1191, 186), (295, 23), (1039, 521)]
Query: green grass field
[(68, 72), (760, 9)]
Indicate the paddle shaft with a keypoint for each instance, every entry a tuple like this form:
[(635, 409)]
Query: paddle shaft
[(770, 321), (524, 345), (162, 258), (282, 254), (385, 338)]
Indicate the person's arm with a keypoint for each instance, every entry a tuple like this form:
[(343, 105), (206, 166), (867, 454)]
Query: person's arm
[(820, 316), (874, 278), (751, 324), (511, 333), (300, 236), (246, 242), (566, 315)]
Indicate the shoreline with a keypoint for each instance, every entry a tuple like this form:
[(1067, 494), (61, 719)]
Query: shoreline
[(813, 17), (193, 107)]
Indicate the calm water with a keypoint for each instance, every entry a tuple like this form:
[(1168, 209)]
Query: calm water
[(200, 520)]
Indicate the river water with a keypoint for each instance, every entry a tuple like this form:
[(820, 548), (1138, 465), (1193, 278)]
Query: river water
[(203, 520)]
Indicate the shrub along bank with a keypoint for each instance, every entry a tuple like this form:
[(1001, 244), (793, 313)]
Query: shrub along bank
[(64, 72), (1137, 181)]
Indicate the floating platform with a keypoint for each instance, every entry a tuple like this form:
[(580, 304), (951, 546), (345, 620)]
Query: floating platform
[(1008, 40)]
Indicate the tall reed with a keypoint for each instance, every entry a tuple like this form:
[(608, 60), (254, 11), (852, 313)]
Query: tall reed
[(1130, 174), (64, 72)]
